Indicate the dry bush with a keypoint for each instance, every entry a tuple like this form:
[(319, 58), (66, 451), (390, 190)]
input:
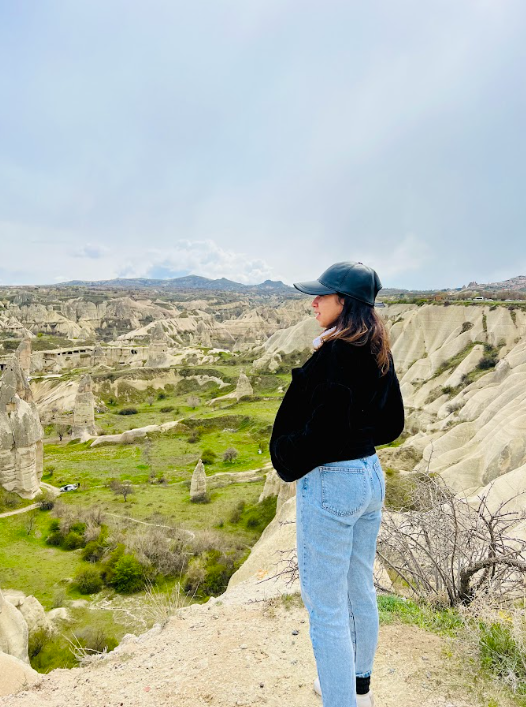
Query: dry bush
[(160, 606), (452, 551), (168, 555), (206, 540)]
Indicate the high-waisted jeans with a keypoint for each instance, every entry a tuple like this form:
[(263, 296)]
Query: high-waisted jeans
[(339, 509)]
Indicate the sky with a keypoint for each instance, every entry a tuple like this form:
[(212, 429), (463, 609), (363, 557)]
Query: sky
[(262, 139)]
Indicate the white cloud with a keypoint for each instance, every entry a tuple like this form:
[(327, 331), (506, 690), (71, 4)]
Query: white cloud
[(201, 257), (91, 250)]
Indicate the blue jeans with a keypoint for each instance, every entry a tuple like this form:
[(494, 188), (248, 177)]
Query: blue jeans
[(339, 509)]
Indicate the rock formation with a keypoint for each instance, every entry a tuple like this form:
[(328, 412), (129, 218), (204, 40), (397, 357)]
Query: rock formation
[(158, 349), (198, 483), (21, 435), (97, 356), (13, 631), (298, 338), (243, 388), (467, 421), (274, 486), (15, 674), (83, 412), (23, 354)]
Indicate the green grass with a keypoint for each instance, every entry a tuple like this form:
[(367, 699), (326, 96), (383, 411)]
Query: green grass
[(12, 502), (392, 609), (155, 503), (27, 563)]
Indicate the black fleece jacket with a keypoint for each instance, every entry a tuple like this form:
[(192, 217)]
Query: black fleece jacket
[(337, 407)]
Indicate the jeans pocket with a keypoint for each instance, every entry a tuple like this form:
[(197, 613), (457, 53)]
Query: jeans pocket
[(343, 489)]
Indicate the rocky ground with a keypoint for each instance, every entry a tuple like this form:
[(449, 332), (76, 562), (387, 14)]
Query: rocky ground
[(250, 654)]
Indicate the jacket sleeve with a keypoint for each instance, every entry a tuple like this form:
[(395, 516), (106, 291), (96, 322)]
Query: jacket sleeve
[(390, 419), (294, 455)]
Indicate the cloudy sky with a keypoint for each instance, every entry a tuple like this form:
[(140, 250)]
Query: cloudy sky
[(256, 139)]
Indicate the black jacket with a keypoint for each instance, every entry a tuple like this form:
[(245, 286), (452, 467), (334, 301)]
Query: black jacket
[(337, 407)]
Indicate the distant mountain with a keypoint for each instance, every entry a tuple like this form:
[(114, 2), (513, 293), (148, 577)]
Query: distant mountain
[(517, 284), (189, 282)]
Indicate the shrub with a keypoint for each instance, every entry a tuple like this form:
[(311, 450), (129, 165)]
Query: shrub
[(161, 396), (8, 499), (95, 640), (93, 551), (235, 516), (55, 539), (201, 498), (259, 516), (58, 598), (37, 641), (128, 575), (88, 580), (486, 362), (230, 455), (208, 456), (47, 502), (54, 525), (466, 326), (73, 541), (127, 411), (168, 408), (210, 577), (195, 576)]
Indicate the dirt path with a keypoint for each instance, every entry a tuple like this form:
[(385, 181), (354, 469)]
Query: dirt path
[(250, 654), (20, 510), (155, 525)]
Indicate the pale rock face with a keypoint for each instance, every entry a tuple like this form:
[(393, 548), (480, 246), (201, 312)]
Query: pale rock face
[(274, 486), (97, 356), (34, 614), (21, 435), (23, 353), (158, 349), (15, 674), (84, 411), (58, 615), (243, 386), (298, 337), (13, 631), (198, 483)]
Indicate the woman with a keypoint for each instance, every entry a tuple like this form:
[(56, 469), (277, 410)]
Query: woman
[(341, 403)]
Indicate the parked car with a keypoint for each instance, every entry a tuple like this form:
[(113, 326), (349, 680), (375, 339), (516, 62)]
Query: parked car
[(69, 487)]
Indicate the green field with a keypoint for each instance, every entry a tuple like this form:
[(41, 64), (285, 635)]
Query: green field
[(159, 469)]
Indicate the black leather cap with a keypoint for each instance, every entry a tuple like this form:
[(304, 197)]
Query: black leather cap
[(354, 279)]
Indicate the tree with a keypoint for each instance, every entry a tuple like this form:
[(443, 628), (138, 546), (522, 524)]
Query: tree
[(230, 455), (61, 431), (31, 519), (122, 488), (193, 401), (448, 550)]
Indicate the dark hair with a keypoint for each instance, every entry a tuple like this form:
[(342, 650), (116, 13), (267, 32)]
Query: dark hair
[(360, 324)]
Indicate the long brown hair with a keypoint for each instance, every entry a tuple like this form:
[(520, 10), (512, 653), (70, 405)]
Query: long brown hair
[(359, 324)]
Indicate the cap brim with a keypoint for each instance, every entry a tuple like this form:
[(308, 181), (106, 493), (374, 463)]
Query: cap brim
[(313, 288)]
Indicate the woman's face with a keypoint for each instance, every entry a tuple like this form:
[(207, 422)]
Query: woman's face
[(328, 308)]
